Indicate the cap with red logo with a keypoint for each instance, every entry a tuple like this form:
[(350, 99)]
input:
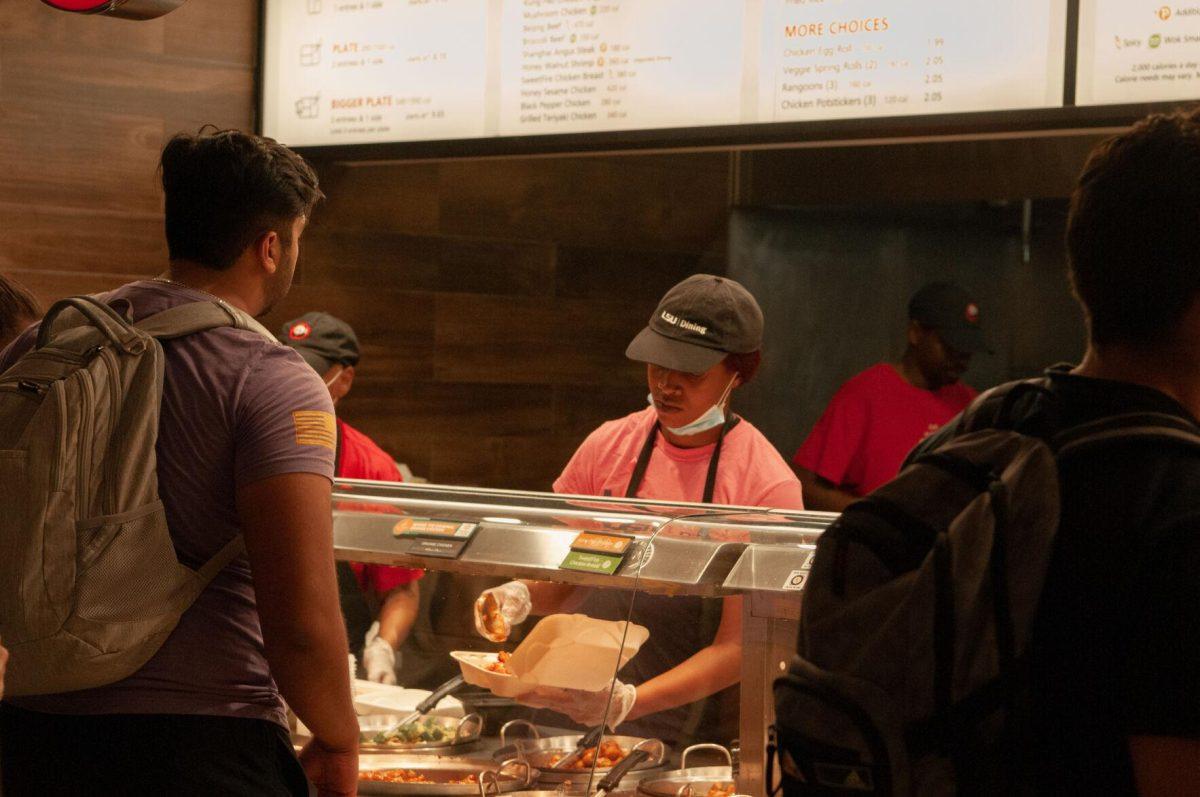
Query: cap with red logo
[(953, 312), (322, 340)]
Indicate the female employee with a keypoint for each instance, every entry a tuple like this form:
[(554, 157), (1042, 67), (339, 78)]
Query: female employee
[(702, 343)]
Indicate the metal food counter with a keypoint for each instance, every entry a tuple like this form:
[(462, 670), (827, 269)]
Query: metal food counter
[(636, 555)]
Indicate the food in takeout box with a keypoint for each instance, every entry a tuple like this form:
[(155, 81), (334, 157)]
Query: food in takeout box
[(567, 651), (500, 665), (482, 669)]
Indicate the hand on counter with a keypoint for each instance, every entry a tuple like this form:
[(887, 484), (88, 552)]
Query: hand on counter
[(333, 772), (379, 657), (586, 708), (498, 609)]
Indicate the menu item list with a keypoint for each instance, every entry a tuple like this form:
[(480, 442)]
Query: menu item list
[(356, 71), (830, 59), (368, 71)]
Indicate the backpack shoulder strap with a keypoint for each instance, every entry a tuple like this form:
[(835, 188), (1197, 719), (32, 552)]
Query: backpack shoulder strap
[(94, 312), (1005, 406), (1152, 426), (188, 319)]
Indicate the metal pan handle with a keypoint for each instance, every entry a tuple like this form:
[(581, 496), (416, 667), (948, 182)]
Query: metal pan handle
[(517, 724), (656, 749), (489, 784), (716, 748), (468, 729), (522, 766)]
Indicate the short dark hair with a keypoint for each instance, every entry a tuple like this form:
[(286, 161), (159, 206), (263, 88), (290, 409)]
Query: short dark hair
[(1133, 233), (18, 308), (745, 365), (225, 188)]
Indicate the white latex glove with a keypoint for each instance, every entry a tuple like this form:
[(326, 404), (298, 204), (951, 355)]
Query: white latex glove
[(498, 609), (379, 658), (586, 708)]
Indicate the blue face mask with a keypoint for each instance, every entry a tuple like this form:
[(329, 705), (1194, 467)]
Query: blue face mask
[(713, 417)]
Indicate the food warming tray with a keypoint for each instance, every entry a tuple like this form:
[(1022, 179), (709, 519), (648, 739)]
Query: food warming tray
[(688, 781), (539, 752), (458, 735), (511, 775)]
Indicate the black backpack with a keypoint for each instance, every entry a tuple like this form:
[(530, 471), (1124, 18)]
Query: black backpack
[(909, 675)]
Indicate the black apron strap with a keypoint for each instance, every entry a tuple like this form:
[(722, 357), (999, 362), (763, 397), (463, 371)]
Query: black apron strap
[(643, 461)]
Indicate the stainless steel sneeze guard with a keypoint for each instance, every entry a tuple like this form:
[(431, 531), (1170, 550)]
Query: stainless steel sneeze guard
[(699, 549), (683, 549)]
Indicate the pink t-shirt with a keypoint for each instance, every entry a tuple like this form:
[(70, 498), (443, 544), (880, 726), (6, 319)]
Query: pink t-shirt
[(750, 472), (872, 423)]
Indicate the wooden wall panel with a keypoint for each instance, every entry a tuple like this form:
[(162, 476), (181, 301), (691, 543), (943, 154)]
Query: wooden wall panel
[(494, 298), (86, 104)]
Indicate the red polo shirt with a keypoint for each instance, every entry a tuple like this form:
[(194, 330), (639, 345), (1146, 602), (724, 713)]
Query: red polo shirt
[(872, 423), (359, 458)]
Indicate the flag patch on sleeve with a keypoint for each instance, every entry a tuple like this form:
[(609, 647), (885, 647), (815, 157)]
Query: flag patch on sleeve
[(315, 428)]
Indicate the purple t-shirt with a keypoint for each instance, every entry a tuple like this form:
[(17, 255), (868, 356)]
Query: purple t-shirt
[(228, 419)]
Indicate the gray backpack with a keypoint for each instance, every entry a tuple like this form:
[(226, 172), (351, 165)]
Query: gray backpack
[(910, 678), (90, 585)]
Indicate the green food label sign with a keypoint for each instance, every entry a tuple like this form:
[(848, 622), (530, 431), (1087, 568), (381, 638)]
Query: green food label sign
[(591, 562)]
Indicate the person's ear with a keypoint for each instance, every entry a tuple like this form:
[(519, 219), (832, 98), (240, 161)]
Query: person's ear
[(268, 249), (916, 333)]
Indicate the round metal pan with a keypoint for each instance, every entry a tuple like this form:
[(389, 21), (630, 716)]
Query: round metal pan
[(607, 785), (541, 752), (510, 776), (459, 735), (689, 781)]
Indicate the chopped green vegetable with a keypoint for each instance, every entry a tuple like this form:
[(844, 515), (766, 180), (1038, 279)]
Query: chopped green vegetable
[(424, 731)]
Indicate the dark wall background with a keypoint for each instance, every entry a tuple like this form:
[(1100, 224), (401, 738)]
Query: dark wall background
[(494, 298), (834, 285), (86, 104)]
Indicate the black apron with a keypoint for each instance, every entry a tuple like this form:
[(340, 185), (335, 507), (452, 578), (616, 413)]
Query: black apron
[(679, 628)]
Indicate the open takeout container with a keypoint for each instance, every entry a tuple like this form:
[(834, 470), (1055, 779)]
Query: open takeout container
[(566, 651)]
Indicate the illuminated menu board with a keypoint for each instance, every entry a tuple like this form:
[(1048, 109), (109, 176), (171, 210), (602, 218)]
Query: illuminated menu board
[(347, 72), (1137, 51), (357, 71), (865, 58)]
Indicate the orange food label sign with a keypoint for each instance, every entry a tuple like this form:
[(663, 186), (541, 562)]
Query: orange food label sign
[(611, 544), (425, 527)]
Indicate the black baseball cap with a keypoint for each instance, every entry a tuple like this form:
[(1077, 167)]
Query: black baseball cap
[(322, 340), (697, 323), (951, 310)]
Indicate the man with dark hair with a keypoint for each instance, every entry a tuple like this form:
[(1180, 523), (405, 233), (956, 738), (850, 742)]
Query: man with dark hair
[(245, 446), (18, 310), (875, 419), (1114, 657)]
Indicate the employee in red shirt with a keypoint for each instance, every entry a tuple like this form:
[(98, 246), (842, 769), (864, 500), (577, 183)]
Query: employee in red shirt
[(877, 417), (329, 345)]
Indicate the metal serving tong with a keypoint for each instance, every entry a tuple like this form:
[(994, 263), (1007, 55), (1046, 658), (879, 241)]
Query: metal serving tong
[(613, 779), (590, 739), (428, 704)]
